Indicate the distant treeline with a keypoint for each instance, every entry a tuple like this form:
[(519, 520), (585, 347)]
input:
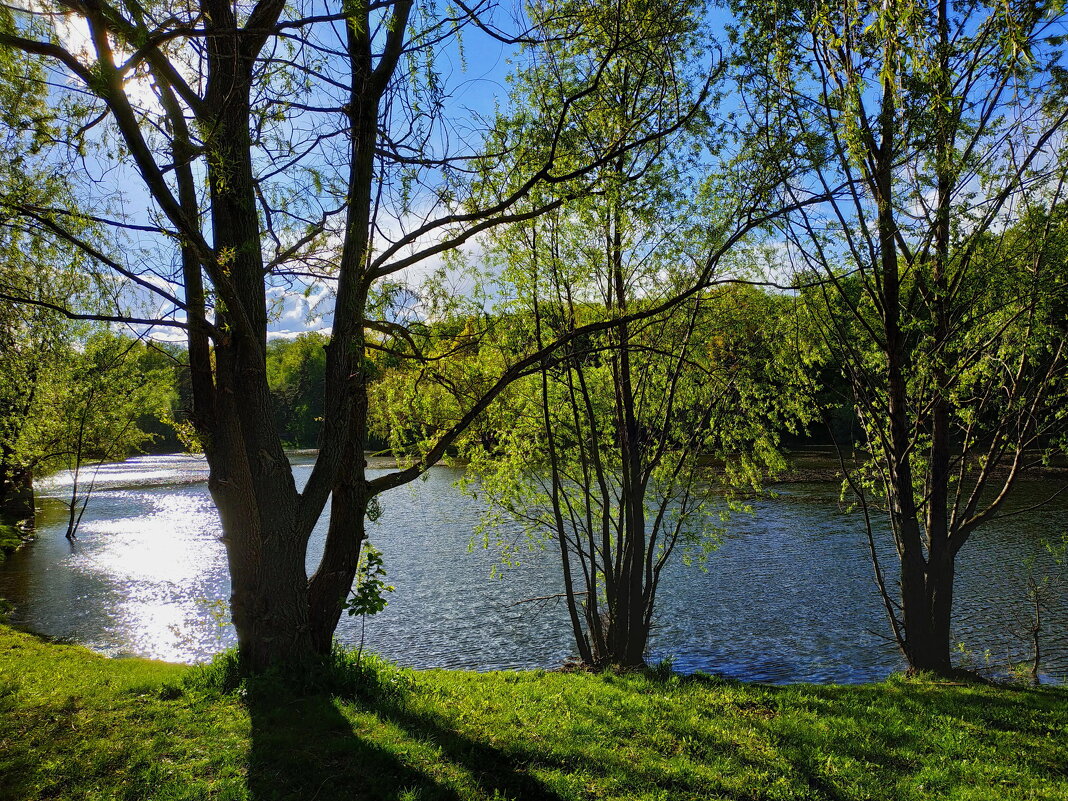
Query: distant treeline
[(296, 371)]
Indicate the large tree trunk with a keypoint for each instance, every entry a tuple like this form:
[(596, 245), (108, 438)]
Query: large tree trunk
[(252, 485), (251, 479), (269, 601), (927, 606)]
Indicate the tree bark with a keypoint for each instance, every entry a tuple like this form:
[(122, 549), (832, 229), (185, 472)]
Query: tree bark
[(265, 550), (927, 615), (628, 630)]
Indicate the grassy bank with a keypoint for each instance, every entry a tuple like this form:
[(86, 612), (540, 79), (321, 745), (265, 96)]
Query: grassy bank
[(11, 537), (75, 725)]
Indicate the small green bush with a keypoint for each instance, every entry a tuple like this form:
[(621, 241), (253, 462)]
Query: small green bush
[(344, 673), (221, 675), (351, 674)]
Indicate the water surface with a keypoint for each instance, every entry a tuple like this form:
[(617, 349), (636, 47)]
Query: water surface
[(788, 596)]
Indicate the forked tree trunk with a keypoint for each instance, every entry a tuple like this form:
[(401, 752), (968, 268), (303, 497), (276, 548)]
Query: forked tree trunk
[(269, 602), (626, 637), (927, 605), (265, 551), (282, 618), (627, 626), (251, 482), (251, 479)]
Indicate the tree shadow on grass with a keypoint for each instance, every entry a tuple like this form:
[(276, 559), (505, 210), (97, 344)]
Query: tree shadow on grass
[(500, 773), (305, 748), (902, 725), (504, 772), (389, 747)]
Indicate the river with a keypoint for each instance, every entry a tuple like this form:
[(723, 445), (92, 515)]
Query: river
[(788, 596)]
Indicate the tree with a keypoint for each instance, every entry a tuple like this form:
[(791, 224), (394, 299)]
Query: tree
[(71, 403), (600, 450), (600, 453), (622, 471), (33, 338), (90, 408), (26, 349), (939, 265), (277, 145)]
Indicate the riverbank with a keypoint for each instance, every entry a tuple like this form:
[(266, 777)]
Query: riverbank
[(822, 464), (77, 725), (12, 537)]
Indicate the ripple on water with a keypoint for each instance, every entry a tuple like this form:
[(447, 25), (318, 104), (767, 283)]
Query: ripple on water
[(789, 595)]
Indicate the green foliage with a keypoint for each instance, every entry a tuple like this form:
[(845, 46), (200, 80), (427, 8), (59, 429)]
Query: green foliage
[(418, 395), (68, 389), (221, 675), (622, 446), (34, 264), (89, 405), (938, 246), (369, 595), (184, 431), (711, 411), (1007, 376), (1058, 549), (11, 537), (296, 373), (634, 431), (167, 425), (344, 674), (68, 401), (362, 676)]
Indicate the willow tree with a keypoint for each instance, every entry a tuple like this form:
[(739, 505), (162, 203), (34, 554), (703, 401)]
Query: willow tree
[(600, 449), (34, 339), (621, 472), (278, 145), (947, 121)]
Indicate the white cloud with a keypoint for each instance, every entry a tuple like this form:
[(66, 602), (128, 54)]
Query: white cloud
[(289, 335)]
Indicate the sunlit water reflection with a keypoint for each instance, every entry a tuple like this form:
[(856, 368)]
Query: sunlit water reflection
[(788, 596)]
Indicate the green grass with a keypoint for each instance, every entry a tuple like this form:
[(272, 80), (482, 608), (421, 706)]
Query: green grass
[(75, 725), (11, 537)]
